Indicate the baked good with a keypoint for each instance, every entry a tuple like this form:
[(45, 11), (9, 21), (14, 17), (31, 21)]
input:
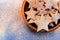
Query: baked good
[(41, 15)]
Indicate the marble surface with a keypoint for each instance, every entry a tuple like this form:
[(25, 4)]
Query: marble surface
[(13, 28)]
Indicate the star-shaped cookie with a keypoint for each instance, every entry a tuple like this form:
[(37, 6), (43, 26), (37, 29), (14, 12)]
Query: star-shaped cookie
[(56, 16), (31, 14), (48, 4), (55, 2), (39, 5), (41, 23)]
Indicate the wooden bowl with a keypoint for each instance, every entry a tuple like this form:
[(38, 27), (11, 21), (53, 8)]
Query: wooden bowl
[(30, 26)]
